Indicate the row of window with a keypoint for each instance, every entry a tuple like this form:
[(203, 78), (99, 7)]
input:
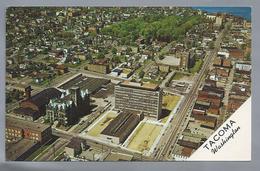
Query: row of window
[(143, 93), (35, 134), (35, 138), (12, 134), (13, 130), (137, 105)]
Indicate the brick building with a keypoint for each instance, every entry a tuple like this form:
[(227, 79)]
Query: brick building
[(35, 106), (18, 129), (100, 66)]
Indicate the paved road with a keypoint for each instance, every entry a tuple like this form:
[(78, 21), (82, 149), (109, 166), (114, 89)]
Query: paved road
[(228, 88), (175, 125), (51, 152), (95, 74), (171, 135), (100, 144), (167, 79), (60, 144)]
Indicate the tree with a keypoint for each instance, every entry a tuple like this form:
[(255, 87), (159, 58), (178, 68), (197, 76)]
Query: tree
[(116, 59), (128, 50), (248, 56), (211, 45), (141, 74), (114, 50), (161, 57), (100, 55)]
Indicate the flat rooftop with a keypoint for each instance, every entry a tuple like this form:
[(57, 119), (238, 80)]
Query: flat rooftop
[(146, 86), (123, 122), (84, 82), (118, 157), (15, 150), (171, 60), (100, 125), (144, 136), (23, 124)]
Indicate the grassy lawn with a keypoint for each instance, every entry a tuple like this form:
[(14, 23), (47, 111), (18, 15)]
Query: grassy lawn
[(144, 136), (49, 60), (146, 62), (70, 65), (139, 69), (151, 81), (164, 120), (179, 75), (44, 83), (102, 124), (197, 66), (170, 101)]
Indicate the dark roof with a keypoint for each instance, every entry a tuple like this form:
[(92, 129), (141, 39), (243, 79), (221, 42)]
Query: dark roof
[(217, 90), (25, 111), (121, 124), (23, 124), (15, 151), (205, 118), (188, 144), (44, 96), (211, 83), (84, 82)]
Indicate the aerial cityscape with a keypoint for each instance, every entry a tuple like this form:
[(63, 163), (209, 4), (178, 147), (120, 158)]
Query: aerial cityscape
[(122, 83)]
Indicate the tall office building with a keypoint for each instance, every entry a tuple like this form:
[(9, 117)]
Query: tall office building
[(139, 97)]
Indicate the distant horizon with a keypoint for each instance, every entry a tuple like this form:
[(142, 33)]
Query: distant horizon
[(244, 12)]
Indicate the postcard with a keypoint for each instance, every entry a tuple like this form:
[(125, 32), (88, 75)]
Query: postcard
[(128, 84)]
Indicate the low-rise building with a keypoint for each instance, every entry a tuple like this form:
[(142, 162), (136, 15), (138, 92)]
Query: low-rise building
[(206, 121), (223, 53), (36, 104), (126, 73), (122, 126), (26, 113), (75, 147), (243, 67), (18, 128), (100, 66), (20, 150), (236, 54), (90, 84), (164, 68)]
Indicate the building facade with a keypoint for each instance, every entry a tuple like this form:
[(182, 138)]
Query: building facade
[(35, 106), (121, 127), (67, 109), (99, 68), (139, 97), (18, 129)]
